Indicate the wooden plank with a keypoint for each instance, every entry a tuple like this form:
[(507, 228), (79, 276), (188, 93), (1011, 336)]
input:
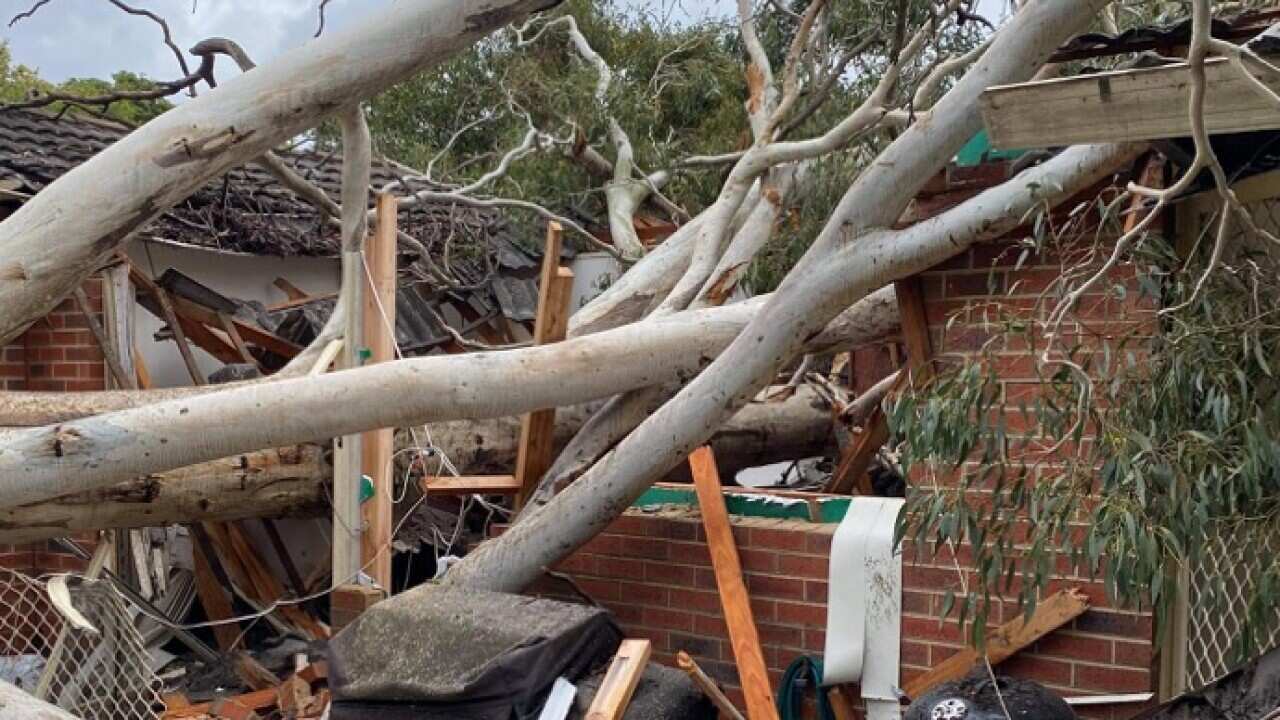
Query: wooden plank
[(140, 370), (249, 333), (237, 341), (379, 307), (915, 327), (708, 687), (108, 349), (293, 292), (256, 700), (265, 585), (208, 341), (144, 282), (841, 705), (470, 485), (119, 301), (620, 681), (743, 634), (1126, 105), (216, 604), (1052, 613), (536, 450)]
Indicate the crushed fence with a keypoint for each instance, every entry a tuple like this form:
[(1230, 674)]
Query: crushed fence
[(95, 667)]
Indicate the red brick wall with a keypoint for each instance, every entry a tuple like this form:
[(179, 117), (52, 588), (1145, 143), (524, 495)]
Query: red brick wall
[(57, 354), (653, 571)]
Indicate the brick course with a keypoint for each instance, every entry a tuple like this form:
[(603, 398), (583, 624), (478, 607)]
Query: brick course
[(56, 354)]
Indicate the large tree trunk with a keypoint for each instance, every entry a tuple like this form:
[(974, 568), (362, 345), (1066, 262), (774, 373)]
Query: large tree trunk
[(56, 240), (291, 482), (867, 322), (272, 483), (81, 455), (847, 261), (16, 704)]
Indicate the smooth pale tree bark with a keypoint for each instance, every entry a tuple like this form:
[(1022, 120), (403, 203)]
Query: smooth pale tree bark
[(293, 482), (57, 239), (864, 323), (17, 704), (620, 415), (80, 455), (845, 263)]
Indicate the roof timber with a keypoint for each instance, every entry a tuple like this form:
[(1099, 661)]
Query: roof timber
[(1126, 105)]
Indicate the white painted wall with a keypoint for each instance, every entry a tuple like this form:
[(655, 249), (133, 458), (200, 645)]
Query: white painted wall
[(239, 276)]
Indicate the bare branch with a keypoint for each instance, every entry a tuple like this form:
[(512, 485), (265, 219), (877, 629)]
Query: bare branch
[(23, 15), (320, 12)]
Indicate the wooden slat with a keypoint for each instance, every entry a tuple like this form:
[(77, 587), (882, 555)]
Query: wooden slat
[(1052, 613), (378, 445), (470, 485), (145, 283), (536, 450), (208, 341), (237, 341), (265, 585), (118, 373), (216, 604), (619, 684), (293, 292), (1127, 105), (140, 370), (249, 333), (743, 634)]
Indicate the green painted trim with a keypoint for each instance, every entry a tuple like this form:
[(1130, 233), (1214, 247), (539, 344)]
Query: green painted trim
[(832, 509), (978, 151)]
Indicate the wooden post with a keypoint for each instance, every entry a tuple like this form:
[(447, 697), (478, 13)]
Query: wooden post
[(378, 445), (122, 378), (752, 672), (537, 429), (851, 474), (118, 301), (348, 465)]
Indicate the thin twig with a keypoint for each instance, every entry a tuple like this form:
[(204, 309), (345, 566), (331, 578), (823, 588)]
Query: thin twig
[(320, 12)]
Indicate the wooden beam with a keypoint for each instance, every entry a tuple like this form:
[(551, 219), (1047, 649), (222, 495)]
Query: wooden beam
[(1125, 105), (216, 604), (119, 300), (619, 684), (170, 318), (249, 333), (208, 341), (708, 687), (379, 309), (537, 429), (1052, 613), (140, 370), (108, 349), (470, 485), (265, 585), (237, 341), (293, 292), (745, 638), (851, 474)]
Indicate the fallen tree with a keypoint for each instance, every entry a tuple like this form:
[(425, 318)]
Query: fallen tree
[(93, 452), (55, 241), (292, 482)]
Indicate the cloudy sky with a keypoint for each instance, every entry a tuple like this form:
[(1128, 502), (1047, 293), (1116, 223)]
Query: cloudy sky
[(68, 38)]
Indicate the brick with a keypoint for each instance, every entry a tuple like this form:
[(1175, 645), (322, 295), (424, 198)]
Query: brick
[(667, 573), (1043, 670), (695, 600), (1076, 647), (667, 618), (775, 587), (1138, 655), (643, 547), (643, 594), (696, 645), (690, 553), (1112, 679), (1103, 622), (806, 614), (815, 591), (777, 539), (755, 560), (804, 566), (620, 568)]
